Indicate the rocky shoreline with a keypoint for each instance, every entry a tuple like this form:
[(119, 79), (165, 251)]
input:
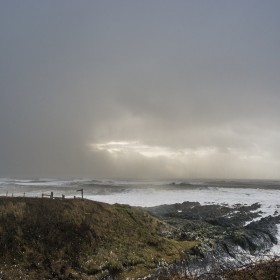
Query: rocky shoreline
[(43, 238), (228, 237)]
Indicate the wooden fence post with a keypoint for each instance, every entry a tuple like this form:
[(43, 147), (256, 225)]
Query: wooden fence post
[(82, 192)]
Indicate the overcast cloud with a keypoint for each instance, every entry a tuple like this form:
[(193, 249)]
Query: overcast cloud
[(140, 89)]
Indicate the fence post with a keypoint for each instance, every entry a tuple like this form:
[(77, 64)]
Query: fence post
[(82, 192)]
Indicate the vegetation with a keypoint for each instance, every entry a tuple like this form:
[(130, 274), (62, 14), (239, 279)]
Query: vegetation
[(81, 239), (87, 240), (265, 270)]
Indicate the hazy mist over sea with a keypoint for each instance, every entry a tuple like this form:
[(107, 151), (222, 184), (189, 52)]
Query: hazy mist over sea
[(150, 193), (140, 89), (169, 108)]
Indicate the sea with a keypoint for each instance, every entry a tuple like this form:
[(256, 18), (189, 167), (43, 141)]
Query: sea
[(146, 193)]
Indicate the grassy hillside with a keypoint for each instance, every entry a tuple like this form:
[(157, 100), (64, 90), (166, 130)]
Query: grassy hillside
[(80, 239)]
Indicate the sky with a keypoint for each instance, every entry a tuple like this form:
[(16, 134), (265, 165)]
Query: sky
[(140, 89)]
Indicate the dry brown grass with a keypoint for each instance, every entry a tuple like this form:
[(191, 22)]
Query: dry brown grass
[(80, 239)]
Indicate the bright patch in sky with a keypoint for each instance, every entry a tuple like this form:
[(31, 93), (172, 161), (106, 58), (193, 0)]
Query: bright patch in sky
[(135, 147)]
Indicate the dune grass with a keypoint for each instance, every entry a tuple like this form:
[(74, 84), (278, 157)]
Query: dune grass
[(81, 239)]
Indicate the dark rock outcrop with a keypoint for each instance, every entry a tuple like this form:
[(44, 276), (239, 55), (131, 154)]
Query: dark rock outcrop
[(227, 236)]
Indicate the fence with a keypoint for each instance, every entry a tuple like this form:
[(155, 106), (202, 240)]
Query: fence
[(51, 195)]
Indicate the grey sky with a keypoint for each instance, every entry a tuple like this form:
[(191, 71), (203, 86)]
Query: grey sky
[(140, 89)]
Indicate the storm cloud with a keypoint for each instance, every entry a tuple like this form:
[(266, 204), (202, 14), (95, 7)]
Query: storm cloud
[(140, 89)]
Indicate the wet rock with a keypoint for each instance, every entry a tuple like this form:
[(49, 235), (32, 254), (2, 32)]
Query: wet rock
[(226, 234)]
